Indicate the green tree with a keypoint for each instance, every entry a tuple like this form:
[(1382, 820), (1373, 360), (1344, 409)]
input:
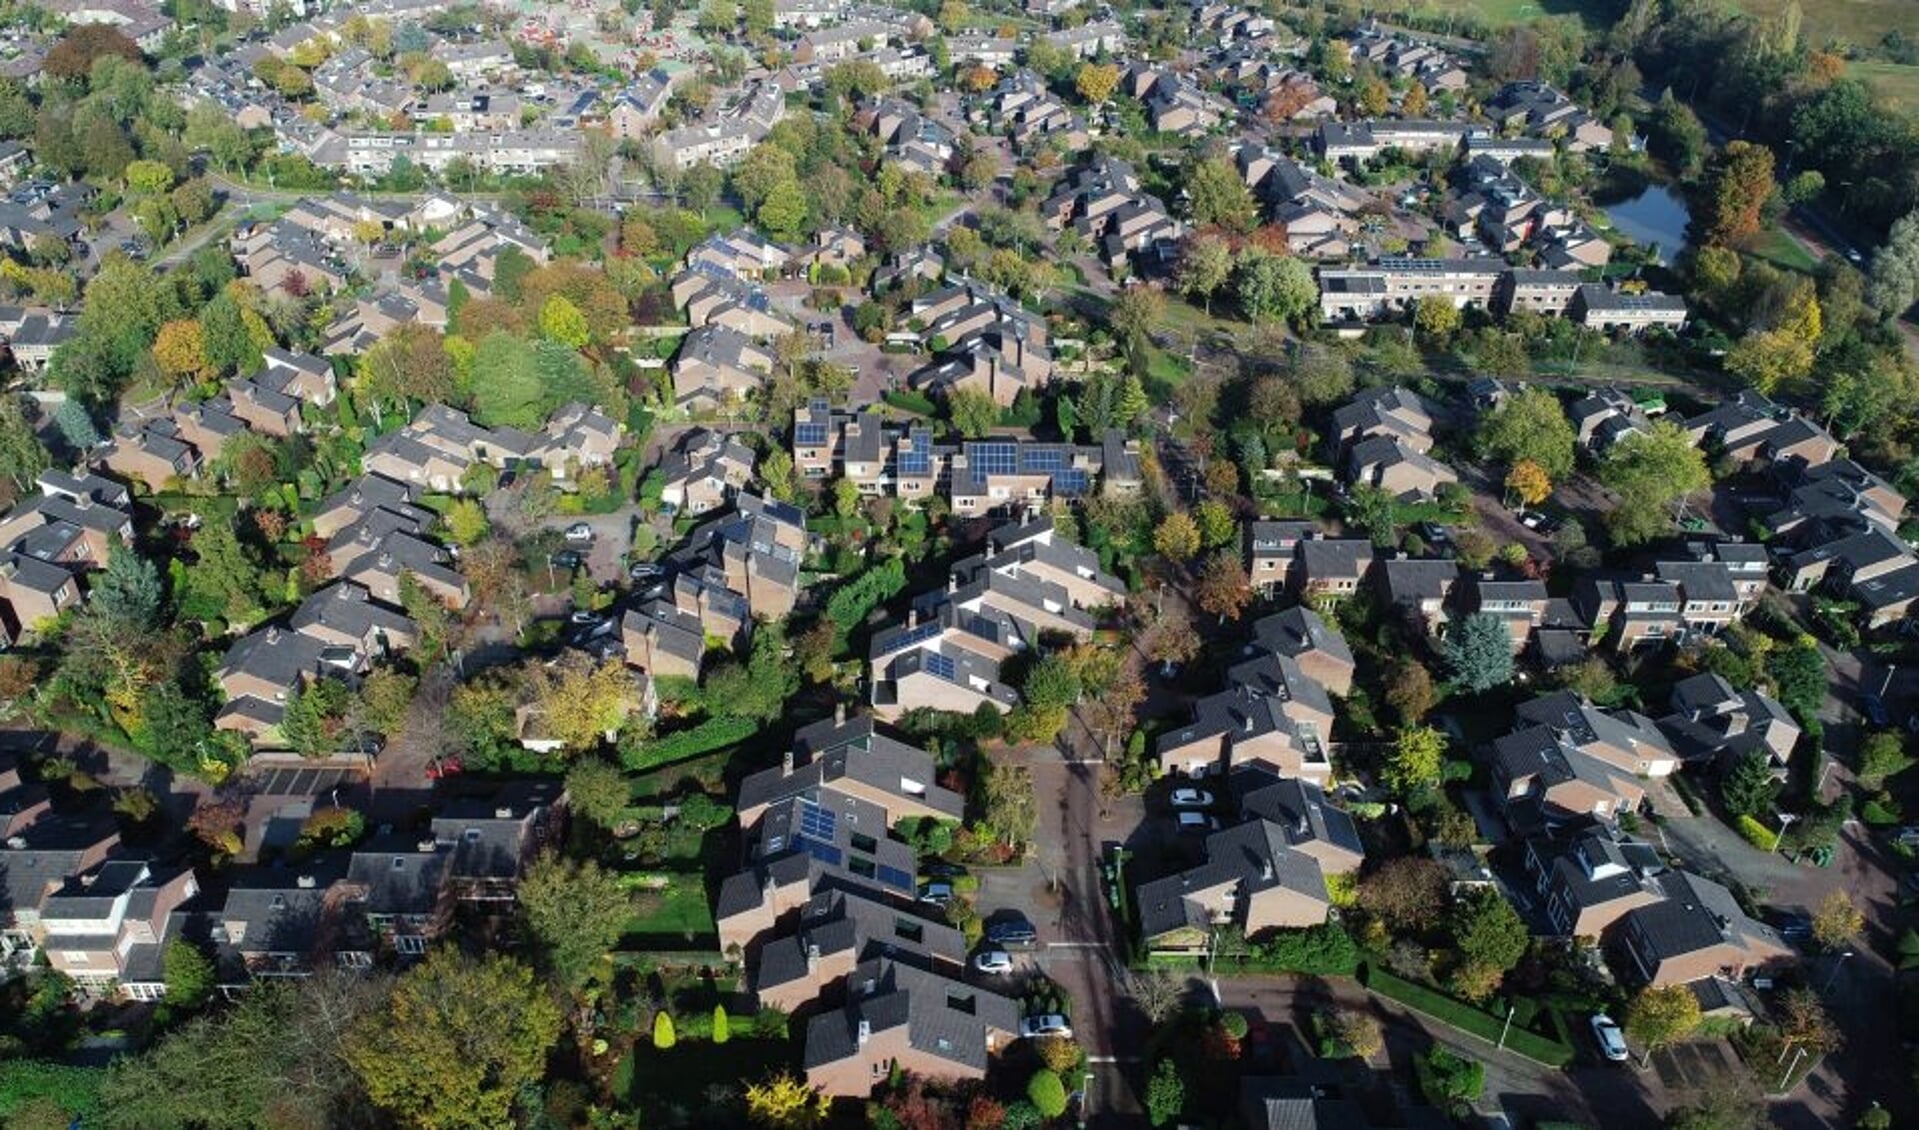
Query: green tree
[(1798, 676), (1217, 525), (229, 344), (1418, 758), (1375, 511), (1749, 788), (222, 582), (148, 178), (1177, 537), (189, 974), (507, 387), (973, 413), (1532, 425), (576, 913), (1479, 652), (385, 698), (1650, 470), (1436, 319), (722, 1028), (1204, 268), (456, 1042), (316, 716), (466, 521), (663, 1035), (1047, 1093), (1487, 930), (1165, 1094), (1009, 809), (22, 455), (598, 790), (1660, 1017), (1217, 195), (1881, 755), (783, 212), (1894, 281)]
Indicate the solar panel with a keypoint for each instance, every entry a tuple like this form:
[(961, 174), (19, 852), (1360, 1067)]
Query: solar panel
[(982, 627), (825, 853), (917, 636), (941, 667), (994, 458), (810, 435), (1042, 460), (894, 877), (816, 821), (1072, 483)]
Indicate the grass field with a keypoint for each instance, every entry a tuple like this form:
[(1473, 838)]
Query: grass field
[(1851, 21), (1782, 251), (1893, 80)]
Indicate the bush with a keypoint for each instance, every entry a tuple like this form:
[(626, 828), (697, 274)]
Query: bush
[(1234, 1025), (712, 734), (1326, 950), (721, 1029), (1757, 834), (663, 1035), (1445, 1078), (1047, 1093)]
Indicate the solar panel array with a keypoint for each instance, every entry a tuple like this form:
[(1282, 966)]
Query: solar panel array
[(894, 877), (810, 435), (941, 667), (916, 457), (918, 636), (816, 821), (1042, 460), (1072, 482), (825, 853), (993, 458)]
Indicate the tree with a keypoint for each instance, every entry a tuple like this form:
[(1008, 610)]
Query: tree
[(1530, 426), (1177, 537), (1009, 809), (73, 57), (181, 351), (1165, 1093), (316, 716), (1047, 1093), (1804, 1022), (466, 522), (1837, 922), (189, 974), (456, 1042), (1436, 319), (1357, 1030), (1769, 359), (664, 1036), (972, 412), (1418, 757), (507, 387), (1407, 893), (1222, 588), (784, 1102), (1205, 266), (563, 323), (576, 913), (1134, 312), (1881, 755), (1096, 82), (1217, 196), (599, 791), (783, 212), (408, 363), (1894, 281), (1529, 482), (1273, 286), (1479, 652), (1409, 690), (385, 698), (1738, 179), (1445, 1079), (1170, 638), (581, 702), (1749, 787), (1217, 525), (148, 178), (1375, 511), (1487, 930), (1649, 470), (1660, 1017), (22, 455), (1375, 98), (722, 1029)]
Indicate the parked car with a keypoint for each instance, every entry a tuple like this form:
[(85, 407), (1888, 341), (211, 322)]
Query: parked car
[(583, 616), (1012, 932), (1531, 519), (1874, 708), (579, 532), (941, 869), (1432, 533), (1051, 1024), (1612, 1042), (994, 961), (1192, 798), (1197, 822), (643, 570), (568, 559), (1792, 926), (936, 894)]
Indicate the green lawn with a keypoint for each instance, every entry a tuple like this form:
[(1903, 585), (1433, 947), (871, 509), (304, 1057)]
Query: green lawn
[(1466, 1018), (1782, 251), (1852, 21), (1500, 13), (681, 1075), (676, 914), (1893, 80)]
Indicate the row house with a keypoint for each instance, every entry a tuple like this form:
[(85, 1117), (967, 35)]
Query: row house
[(1540, 109), (1826, 501), (74, 521), (1873, 568), (154, 456), (703, 471), (1321, 214), (436, 449), (1387, 286), (639, 107), (1407, 57), (1362, 141), (1748, 427), (1615, 311), (1174, 104), (830, 45), (338, 632), (983, 341), (867, 450), (107, 928), (838, 929), (1031, 548), (1104, 203), (950, 661), (1711, 722), (31, 334), (1681, 600), (984, 50), (1393, 413), (40, 852), (1004, 476), (751, 556), (1273, 711), (807, 14), (1024, 108), (1420, 589), (1271, 547), (743, 253), (900, 1017), (663, 640), (717, 366), (1090, 40)]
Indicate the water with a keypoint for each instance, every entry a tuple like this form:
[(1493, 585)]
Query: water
[(1657, 215)]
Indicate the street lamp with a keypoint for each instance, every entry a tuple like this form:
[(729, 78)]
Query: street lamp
[(1785, 821), (1836, 967)]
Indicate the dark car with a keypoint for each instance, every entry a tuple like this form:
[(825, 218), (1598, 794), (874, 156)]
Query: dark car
[(1793, 927), (1874, 708), (1012, 932), (940, 869), (568, 559)]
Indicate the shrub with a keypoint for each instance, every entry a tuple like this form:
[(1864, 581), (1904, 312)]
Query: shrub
[(1757, 834), (721, 1029), (1326, 950), (1047, 1093), (1445, 1078), (663, 1036)]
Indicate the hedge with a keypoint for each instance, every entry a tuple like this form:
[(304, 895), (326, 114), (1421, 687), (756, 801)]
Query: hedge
[(712, 734), (1466, 1018), (75, 1089), (1757, 834)]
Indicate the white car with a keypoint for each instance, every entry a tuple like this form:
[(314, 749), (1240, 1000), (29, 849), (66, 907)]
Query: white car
[(994, 961), (1192, 798), (1197, 822), (579, 531), (1050, 1025), (1612, 1042)]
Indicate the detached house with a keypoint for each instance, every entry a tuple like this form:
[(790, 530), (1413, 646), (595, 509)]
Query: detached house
[(1698, 931), (900, 1016), (1253, 879)]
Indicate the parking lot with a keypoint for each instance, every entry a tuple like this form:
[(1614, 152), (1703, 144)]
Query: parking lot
[(302, 782)]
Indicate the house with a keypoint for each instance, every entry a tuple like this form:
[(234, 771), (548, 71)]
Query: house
[(1420, 588), (1313, 824), (711, 296), (40, 853), (492, 836), (951, 662), (800, 846), (1332, 567), (1607, 310), (1390, 464), (1543, 778), (1031, 549), (152, 457), (839, 929), (1388, 413), (1275, 1103), (703, 471), (662, 639), (264, 410), (34, 592), (276, 922), (1588, 877), (1518, 604), (744, 254), (718, 366), (754, 554), (1303, 636), (852, 756), (1364, 140), (107, 929), (903, 1017), (1605, 417), (1712, 722), (1622, 738), (74, 522), (983, 341), (1389, 285), (1698, 930), (1245, 725), (1270, 550), (1253, 879)]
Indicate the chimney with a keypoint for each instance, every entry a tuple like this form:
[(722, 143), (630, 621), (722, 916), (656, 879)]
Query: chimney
[(912, 618), (305, 882), (839, 714), (1266, 870), (771, 887), (503, 812), (786, 764), (428, 843), (865, 1032), (273, 635), (812, 957), (952, 584)]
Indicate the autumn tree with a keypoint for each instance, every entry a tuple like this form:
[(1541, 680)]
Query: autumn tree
[(1737, 181), (1177, 536), (1010, 810), (1436, 319), (1409, 690), (1659, 1017), (1170, 638), (1418, 757), (1529, 482), (1769, 359), (1838, 921), (181, 351), (456, 1042), (1407, 893), (972, 412), (581, 702), (1222, 589), (1096, 82), (784, 1102)]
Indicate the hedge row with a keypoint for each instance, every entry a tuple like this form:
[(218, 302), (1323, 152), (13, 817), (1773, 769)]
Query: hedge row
[(1757, 834), (712, 734), (1466, 1018)]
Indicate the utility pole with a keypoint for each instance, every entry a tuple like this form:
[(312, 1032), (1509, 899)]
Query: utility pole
[(1508, 1027)]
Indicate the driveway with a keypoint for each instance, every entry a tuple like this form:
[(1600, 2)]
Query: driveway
[(612, 533)]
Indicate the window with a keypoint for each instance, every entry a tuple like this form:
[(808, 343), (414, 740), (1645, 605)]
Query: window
[(399, 863), (908, 929), (960, 1000), (409, 943), (472, 835), (911, 787), (861, 866), (354, 959), (861, 842)]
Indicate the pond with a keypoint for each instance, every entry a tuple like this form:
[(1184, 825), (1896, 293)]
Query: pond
[(1657, 215)]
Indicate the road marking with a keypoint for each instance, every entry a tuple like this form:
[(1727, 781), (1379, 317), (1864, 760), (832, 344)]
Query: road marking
[(1076, 945), (1114, 1059)]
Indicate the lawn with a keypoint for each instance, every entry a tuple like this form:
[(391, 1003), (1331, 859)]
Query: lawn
[(1854, 21), (673, 917), (1500, 13), (1466, 1018), (681, 1075), (1893, 80), (1781, 250)]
